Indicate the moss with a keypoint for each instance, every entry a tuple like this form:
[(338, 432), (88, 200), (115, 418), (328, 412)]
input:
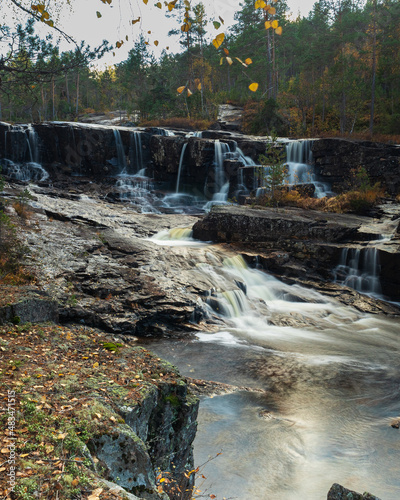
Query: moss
[(173, 400)]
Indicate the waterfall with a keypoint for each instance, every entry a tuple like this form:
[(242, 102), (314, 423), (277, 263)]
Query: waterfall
[(21, 154), (135, 151), (220, 149), (33, 144), (120, 151), (359, 269), (299, 157), (180, 166), (299, 161)]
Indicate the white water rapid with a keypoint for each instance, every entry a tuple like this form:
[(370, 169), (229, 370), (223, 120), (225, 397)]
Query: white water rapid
[(323, 384)]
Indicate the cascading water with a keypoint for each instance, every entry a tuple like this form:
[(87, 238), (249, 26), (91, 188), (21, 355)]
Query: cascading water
[(121, 158), (180, 166), (135, 152), (21, 155), (300, 170), (330, 375), (359, 269)]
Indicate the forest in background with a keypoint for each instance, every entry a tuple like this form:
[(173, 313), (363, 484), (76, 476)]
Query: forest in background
[(334, 72)]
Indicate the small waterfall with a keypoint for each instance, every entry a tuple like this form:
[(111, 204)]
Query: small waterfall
[(21, 154), (299, 158), (299, 161), (120, 151), (24, 172), (33, 144), (359, 269), (220, 149), (135, 151), (136, 190), (180, 167)]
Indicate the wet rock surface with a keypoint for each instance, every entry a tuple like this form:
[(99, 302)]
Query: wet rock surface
[(307, 245), (338, 492), (335, 158)]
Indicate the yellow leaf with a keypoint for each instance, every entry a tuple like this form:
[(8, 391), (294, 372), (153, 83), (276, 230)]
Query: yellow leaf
[(24, 455), (171, 5), (126, 38), (156, 42), (218, 40), (75, 482), (226, 52), (274, 24), (199, 86), (189, 92), (272, 11), (267, 24), (162, 480), (221, 61), (49, 23), (145, 2), (220, 18), (158, 4), (62, 436), (95, 365), (181, 89), (253, 87), (229, 60), (119, 44), (278, 30), (260, 4), (136, 20), (149, 32), (248, 61), (98, 14), (186, 27), (97, 492)]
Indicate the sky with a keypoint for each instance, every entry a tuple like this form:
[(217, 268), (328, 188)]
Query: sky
[(81, 21)]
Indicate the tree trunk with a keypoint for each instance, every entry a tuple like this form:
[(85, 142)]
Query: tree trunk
[(77, 95), (371, 117)]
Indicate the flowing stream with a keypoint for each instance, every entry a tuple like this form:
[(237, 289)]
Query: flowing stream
[(320, 381), (329, 378)]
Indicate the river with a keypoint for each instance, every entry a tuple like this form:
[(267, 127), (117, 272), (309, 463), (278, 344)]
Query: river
[(330, 381)]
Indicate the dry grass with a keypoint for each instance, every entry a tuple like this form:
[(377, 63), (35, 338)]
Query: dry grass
[(178, 122), (354, 201)]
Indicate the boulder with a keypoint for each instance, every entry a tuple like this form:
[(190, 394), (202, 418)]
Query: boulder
[(338, 492)]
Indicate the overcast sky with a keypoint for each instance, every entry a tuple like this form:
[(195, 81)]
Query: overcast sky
[(81, 22)]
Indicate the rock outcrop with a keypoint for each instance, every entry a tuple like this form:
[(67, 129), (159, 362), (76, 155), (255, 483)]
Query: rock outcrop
[(336, 158), (338, 492), (155, 439), (26, 304), (293, 242)]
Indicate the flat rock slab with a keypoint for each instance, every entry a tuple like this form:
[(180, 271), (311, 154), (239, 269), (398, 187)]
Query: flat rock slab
[(238, 224), (26, 304)]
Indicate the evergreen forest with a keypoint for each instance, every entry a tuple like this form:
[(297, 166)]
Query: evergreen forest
[(334, 72)]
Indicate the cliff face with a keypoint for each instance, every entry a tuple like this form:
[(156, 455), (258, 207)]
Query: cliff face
[(335, 158), (155, 442)]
